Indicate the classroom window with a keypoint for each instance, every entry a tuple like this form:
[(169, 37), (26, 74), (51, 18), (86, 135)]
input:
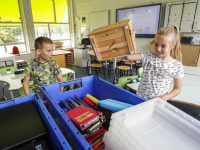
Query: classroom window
[(11, 33), (41, 30), (52, 25), (59, 31)]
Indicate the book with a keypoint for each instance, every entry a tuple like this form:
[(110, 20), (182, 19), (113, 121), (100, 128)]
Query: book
[(84, 117), (95, 138)]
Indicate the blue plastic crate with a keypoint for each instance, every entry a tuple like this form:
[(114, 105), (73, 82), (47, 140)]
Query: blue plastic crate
[(57, 138), (92, 85)]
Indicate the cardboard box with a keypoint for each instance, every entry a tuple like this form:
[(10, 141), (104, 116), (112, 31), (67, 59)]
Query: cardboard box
[(112, 41)]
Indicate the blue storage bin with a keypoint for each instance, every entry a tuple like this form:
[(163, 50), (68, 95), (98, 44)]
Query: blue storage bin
[(92, 85), (56, 137)]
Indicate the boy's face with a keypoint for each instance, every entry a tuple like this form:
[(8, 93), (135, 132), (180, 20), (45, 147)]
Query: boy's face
[(46, 52)]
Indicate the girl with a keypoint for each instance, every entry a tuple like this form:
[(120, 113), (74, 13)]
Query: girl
[(161, 66)]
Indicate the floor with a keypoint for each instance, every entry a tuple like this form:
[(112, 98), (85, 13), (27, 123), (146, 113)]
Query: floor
[(80, 72)]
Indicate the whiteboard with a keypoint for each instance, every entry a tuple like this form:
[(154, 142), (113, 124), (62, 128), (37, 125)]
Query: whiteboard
[(98, 19)]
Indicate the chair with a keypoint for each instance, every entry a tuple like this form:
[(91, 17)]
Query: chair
[(97, 66), (20, 63), (131, 63), (110, 68), (140, 72), (13, 68), (122, 81), (22, 93), (5, 62), (66, 77), (122, 70)]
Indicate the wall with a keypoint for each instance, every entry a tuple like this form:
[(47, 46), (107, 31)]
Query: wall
[(84, 7)]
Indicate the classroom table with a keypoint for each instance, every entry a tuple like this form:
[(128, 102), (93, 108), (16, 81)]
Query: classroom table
[(6, 56), (192, 70), (15, 84), (190, 92)]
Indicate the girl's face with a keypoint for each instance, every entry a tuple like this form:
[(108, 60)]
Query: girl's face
[(163, 47)]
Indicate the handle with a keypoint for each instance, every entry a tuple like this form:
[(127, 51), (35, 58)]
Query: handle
[(195, 61), (70, 82)]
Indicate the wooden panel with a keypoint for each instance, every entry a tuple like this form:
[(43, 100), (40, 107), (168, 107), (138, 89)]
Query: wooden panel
[(152, 47), (111, 44), (111, 40), (60, 59), (190, 55), (69, 60), (113, 53), (109, 35)]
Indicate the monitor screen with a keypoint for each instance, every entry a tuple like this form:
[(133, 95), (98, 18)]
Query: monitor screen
[(145, 19)]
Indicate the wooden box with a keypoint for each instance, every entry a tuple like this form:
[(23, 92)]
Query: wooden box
[(112, 41)]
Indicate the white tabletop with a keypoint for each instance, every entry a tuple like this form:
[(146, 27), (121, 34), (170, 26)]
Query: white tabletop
[(15, 84), (189, 93), (192, 70)]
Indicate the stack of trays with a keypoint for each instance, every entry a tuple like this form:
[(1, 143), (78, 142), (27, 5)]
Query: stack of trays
[(153, 125)]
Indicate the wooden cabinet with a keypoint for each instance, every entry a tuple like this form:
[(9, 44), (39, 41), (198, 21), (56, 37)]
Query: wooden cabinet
[(190, 54), (65, 59)]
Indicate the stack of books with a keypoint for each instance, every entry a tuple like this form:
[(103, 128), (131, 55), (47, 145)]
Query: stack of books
[(87, 120)]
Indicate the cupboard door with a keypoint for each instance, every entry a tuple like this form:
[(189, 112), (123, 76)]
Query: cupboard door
[(190, 55), (152, 47)]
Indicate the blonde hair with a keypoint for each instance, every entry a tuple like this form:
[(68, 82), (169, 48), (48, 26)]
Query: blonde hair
[(173, 32)]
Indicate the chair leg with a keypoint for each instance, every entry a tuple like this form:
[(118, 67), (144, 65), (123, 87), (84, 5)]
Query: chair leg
[(115, 78), (87, 68), (104, 73), (96, 71), (4, 92)]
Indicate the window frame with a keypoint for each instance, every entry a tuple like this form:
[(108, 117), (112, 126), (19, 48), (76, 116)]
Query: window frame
[(16, 43), (55, 22)]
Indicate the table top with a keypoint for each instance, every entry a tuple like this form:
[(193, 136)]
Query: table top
[(6, 55), (192, 70), (60, 52), (15, 84), (187, 95)]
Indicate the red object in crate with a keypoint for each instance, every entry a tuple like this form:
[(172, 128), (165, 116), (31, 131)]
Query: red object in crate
[(99, 145), (88, 101), (95, 138), (84, 117)]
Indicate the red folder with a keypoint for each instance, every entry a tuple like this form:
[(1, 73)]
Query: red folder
[(99, 145), (83, 117), (95, 138)]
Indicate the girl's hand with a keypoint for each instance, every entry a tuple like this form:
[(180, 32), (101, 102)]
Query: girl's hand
[(133, 34)]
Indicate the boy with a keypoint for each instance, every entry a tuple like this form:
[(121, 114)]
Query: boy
[(42, 70)]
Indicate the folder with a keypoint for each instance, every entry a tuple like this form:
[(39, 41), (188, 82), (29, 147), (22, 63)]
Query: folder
[(99, 145), (95, 138), (84, 117)]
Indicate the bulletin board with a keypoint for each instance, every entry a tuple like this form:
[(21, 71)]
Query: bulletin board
[(98, 19), (184, 14)]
